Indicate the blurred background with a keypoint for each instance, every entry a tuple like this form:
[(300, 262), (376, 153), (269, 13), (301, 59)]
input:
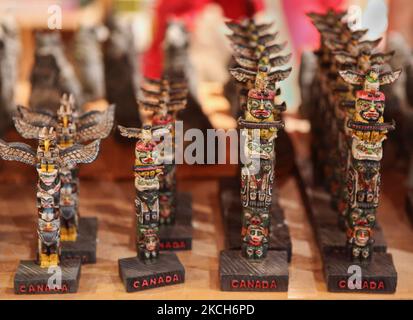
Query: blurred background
[(107, 46), (209, 50)]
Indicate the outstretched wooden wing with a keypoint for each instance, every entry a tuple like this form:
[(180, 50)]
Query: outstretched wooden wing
[(368, 45), (95, 116), (352, 77), (172, 93), (381, 58), (157, 84), (276, 48), (334, 45), (129, 132), (242, 28), (358, 34), (344, 58), (26, 129), (99, 130), (389, 77), (278, 61), (279, 75), (80, 154), (176, 105), (253, 53), (247, 63), (242, 75), (252, 64), (149, 103), (17, 151), (40, 118)]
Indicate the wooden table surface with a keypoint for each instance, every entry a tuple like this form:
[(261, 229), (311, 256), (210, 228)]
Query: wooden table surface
[(107, 193), (112, 203)]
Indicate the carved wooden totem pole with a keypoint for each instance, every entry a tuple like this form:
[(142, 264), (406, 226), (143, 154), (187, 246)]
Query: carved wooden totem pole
[(149, 269), (255, 50), (363, 182), (347, 121), (78, 235), (164, 98), (52, 74), (33, 276)]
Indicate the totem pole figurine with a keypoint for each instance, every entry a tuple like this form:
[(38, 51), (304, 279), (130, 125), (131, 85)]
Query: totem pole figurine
[(9, 68), (89, 60), (177, 67), (120, 59), (165, 98), (347, 132), (250, 42), (33, 276), (52, 74), (78, 235), (149, 269), (259, 124), (368, 133), (256, 56)]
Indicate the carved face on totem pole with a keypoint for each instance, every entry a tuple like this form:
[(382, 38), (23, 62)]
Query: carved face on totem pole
[(145, 151), (260, 104), (47, 153), (370, 106), (150, 240)]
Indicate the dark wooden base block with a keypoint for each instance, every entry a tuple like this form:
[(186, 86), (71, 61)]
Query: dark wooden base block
[(137, 275), (237, 273), (409, 204), (31, 279), (379, 276), (330, 237), (84, 247), (178, 236), (231, 210)]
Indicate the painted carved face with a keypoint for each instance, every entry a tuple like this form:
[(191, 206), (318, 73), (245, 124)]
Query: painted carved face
[(362, 237), (47, 173), (145, 157), (370, 110), (260, 108), (256, 233), (261, 149), (151, 242), (366, 218), (165, 206), (46, 200), (65, 175), (372, 76)]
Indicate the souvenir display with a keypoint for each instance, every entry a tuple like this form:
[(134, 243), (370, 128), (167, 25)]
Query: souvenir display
[(34, 277), (213, 211), (149, 269), (164, 98), (341, 186), (78, 235), (52, 74), (254, 267)]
